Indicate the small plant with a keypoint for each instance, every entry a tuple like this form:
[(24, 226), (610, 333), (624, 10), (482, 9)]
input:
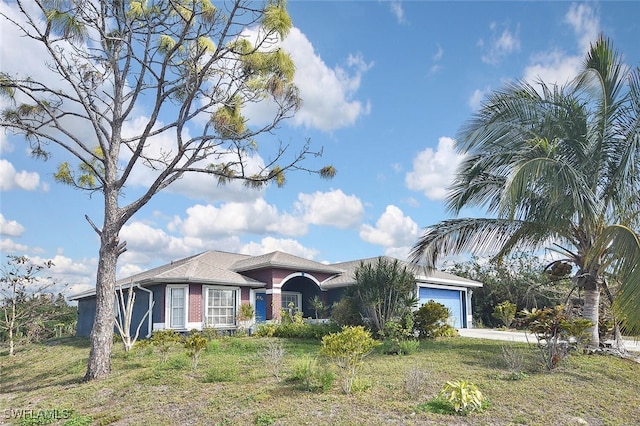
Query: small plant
[(513, 358), (347, 350), (556, 331), (163, 340), (273, 355), (415, 381), (318, 306), (245, 315), (195, 344), (311, 375), (408, 347), (505, 312), (431, 320), (463, 396)]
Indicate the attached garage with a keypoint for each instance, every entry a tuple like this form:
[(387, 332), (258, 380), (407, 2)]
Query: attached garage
[(454, 299)]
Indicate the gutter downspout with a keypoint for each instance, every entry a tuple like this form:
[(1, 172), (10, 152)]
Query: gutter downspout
[(150, 316)]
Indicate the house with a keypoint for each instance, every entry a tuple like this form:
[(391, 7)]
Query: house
[(207, 289)]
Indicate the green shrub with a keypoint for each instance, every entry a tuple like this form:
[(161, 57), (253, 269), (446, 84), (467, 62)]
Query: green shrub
[(296, 330), (505, 312), (195, 344), (347, 350), (431, 320), (163, 340), (346, 312), (556, 331), (408, 347)]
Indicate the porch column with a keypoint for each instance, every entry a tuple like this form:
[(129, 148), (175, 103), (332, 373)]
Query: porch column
[(274, 303)]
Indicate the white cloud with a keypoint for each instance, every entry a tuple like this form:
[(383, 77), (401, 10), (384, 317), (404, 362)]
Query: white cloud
[(556, 66), (502, 44), (7, 245), (333, 208), (146, 244), (398, 11), (327, 94), (476, 99), (392, 229), (10, 228), (11, 179), (207, 221), (70, 276), (434, 171), (270, 244), (585, 23)]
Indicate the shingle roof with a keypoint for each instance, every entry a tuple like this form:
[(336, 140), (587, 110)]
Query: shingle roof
[(436, 277), (217, 267), (278, 259)]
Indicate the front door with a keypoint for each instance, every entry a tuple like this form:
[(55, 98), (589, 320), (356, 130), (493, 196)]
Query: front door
[(261, 306)]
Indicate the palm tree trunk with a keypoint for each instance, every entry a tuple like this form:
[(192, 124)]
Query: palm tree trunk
[(591, 312)]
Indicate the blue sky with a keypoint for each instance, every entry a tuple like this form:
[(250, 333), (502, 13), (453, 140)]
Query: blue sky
[(386, 85)]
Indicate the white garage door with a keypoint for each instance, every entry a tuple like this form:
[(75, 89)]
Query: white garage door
[(452, 299)]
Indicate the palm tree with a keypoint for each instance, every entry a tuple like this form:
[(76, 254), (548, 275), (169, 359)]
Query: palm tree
[(557, 168)]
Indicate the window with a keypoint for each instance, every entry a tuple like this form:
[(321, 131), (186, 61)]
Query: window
[(291, 301), (176, 311), (220, 307)]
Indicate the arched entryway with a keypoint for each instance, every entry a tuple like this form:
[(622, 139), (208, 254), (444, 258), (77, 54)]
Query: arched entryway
[(298, 290)]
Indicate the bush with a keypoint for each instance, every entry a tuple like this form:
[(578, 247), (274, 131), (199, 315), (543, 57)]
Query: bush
[(431, 320), (347, 350), (556, 331), (346, 312), (163, 340), (296, 330), (195, 344), (505, 312)]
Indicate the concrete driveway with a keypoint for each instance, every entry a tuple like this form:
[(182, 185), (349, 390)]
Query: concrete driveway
[(521, 336)]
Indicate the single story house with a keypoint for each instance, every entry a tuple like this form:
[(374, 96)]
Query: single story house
[(207, 289)]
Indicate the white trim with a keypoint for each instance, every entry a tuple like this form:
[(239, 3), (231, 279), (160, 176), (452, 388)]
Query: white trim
[(167, 305), (274, 291), (299, 274), (298, 296), (205, 301)]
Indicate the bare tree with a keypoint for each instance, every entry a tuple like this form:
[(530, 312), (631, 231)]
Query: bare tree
[(22, 291), (124, 318), (188, 69)]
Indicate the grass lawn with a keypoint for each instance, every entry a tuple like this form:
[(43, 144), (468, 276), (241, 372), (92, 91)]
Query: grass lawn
[(234, 384)]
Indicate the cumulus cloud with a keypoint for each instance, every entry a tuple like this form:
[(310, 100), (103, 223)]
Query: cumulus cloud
[(270, 244), (392, 229), (433, 171), (7, 245), (333, 208), (70, 276), (557, 66), (328, 94), (146, 244), (10, 228), (586, 24), (258, 217), (12, 179), (502, 43)]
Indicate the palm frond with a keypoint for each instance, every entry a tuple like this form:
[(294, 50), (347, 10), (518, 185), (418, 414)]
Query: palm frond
[(470, 235)]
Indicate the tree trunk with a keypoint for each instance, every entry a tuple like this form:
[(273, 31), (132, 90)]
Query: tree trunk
[(99, 365), (591, 312)]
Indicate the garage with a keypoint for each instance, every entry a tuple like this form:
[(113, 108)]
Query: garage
[(451, 298)]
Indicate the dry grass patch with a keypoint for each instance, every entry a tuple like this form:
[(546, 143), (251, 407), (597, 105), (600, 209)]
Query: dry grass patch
[(235, 385)]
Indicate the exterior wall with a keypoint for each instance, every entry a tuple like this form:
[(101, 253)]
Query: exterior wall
[(195, 303), (86, 314)]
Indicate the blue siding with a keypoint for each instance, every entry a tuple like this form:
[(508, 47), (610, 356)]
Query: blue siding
[(87, 311), (452, 299)]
